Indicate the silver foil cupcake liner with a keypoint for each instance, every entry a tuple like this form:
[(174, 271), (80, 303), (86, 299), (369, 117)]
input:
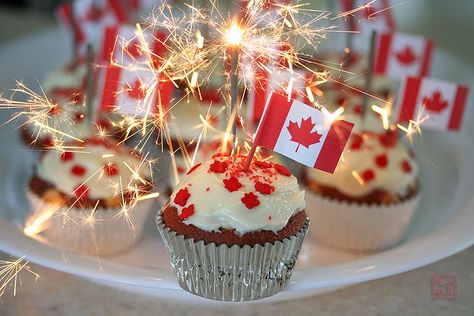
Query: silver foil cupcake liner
[(358, 226), (105, 232), (232, 273)]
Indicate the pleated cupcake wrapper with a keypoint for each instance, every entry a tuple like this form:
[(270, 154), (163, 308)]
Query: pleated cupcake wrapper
[(109, 232), (359, 227), (231, 273)]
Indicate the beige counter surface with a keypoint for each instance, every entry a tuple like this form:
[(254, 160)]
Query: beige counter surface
[(410, 293)]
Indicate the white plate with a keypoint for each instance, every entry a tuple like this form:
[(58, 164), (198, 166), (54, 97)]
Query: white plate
[(442, 225)]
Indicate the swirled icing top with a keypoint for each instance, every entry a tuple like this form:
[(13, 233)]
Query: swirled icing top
[(219, 194), (100, 169)]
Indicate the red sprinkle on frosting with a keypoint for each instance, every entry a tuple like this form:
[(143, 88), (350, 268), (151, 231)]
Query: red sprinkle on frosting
[(67, 155), (368, 175), (388, 139), (232, 184), (111, 169), (78, 170), (182, 197), (357, 141), (406, 166), (81, 191), (186, 212), (250, 200), (282, 170), (264, 188), (218, 166), (269, 217), (381, 160), (78, 117), (263, 164), (193, 168)]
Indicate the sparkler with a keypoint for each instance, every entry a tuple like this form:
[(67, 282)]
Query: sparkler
[(10, 273)]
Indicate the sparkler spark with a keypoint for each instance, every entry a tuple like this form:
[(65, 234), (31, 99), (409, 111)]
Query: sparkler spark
[(10, 274), (45, 116)]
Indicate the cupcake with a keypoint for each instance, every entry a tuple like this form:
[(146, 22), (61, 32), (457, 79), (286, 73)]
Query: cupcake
[(368, 203), (93, 196), (188, 116), (234, 235)]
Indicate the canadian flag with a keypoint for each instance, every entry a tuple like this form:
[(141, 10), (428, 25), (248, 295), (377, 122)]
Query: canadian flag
[(303, 133), (281, 81), (399, 55), (139, 93), (372, 16), (443, 102), (88, 18), (122, 46)]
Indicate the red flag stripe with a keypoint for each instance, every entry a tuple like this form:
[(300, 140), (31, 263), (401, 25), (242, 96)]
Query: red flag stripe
[(333, 146), (109, 93), (458, 108), (410, 95), (163, 95), (383, 53), (159, 47), (273, 119), (66, 12), (118, 10), (425, 67), (110, 40)]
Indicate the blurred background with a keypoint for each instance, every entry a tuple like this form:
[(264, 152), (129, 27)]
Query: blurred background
[(449, 23)]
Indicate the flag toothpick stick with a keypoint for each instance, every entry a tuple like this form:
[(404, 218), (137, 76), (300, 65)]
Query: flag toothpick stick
[(90, 85), (370, 73), (250, 155)]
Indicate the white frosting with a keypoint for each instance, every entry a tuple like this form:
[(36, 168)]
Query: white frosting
[(58, 172), (215, 206), (64, 78), (391, 178), (185, 121)]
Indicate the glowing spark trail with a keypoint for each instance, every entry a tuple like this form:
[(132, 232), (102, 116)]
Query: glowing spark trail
[(10, 274)]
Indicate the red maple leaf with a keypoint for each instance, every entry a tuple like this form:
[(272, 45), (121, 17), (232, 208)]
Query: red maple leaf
[(137, 90), (302, 134), (134, 49), (435, 102), (95, 13), (406, 56)]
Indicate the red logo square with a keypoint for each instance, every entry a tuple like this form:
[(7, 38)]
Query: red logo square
[(444, 287)]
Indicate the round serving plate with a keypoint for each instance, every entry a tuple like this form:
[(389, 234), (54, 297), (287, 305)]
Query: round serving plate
[(442, 225)]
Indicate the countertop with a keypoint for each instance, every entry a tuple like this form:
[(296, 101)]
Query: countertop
[(410, 293)]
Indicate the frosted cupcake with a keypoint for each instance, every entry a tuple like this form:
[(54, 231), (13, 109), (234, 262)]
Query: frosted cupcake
[(368, 203), (93, 196), (234, 235), (187, 118)]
